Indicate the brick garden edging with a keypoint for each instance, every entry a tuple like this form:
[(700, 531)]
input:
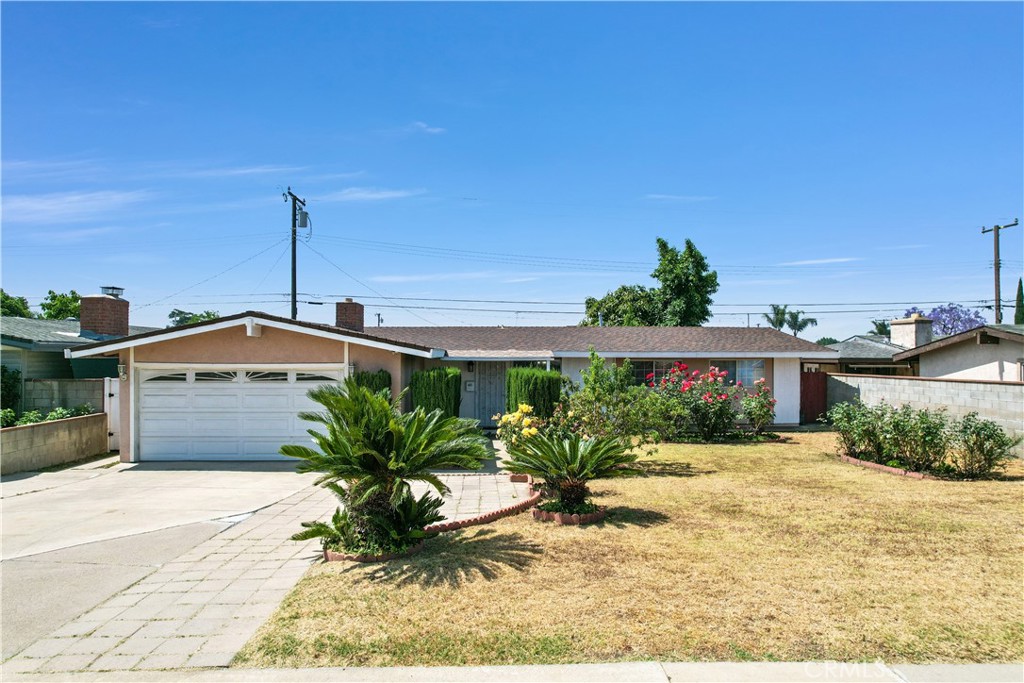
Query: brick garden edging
[(566, 518), (885, 468)]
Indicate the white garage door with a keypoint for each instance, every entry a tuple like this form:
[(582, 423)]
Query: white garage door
[(242, 414)]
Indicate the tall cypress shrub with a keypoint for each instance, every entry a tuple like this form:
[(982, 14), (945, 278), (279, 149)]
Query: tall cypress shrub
[(533, 386), (374, 381), (437, 388)]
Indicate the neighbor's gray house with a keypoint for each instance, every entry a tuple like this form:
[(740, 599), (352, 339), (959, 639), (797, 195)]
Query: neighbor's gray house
[(35, 347), (232, 388)]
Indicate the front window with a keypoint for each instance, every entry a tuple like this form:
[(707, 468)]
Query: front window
[(643, 369), (745, 371)]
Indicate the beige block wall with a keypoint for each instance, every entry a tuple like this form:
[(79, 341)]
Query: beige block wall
[(45, 444)]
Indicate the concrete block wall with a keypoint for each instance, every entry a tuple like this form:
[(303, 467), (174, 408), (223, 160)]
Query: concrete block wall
[(1001, 402), (46, 394), (45, 444)]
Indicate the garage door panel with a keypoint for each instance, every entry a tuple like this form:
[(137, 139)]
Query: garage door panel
[(216, 448), (221, 425), (165, 426), (268, 425), (267, 401), (164, 399), (218, 400)]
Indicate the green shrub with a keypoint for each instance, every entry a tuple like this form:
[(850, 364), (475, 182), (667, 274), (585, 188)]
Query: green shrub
[(437, 389), (978, 447), (58, 414), (759, 406), (707, 401), (918, 439), (29, 417), (82, 409), (374, 381), (10, 388), (862, 429), (7, 418), (533, 387)]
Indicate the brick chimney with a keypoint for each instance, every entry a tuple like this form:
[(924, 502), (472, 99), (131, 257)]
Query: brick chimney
[(104, 315), (911, 332), (349, 314)]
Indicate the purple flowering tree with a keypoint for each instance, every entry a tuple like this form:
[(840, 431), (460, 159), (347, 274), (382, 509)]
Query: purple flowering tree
[(950, 318)]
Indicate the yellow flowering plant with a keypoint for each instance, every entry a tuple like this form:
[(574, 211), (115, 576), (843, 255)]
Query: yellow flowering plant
[(514, 427)]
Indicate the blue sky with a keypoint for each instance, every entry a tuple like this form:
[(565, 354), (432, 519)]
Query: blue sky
[(841, 157)]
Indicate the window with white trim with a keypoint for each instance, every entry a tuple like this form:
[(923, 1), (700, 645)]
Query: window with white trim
[(642, 370), (170, 377), (745, 371), (261, 376), (216, 377)]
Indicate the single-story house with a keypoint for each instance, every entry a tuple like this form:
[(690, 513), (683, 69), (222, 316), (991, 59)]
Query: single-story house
[(865, 354), (231, 388), (988, 352), (35, 347)]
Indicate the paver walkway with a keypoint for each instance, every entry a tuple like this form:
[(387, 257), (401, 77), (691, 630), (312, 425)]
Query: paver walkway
[(201, 608)]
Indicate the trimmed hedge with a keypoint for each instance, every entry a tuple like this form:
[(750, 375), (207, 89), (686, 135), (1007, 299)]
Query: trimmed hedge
[(374, 381), (535, 387), (437, 388)]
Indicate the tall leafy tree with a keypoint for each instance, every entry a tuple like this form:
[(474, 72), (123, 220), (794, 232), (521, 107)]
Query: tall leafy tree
[(59, 306), (797, 323), (881, 327), (825, 341), (14, 306), (950, 318), (684, 297), (1018, 306), (776, 317), (180, 317)]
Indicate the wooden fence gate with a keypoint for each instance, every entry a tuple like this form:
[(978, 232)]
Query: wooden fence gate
[(813, 396)]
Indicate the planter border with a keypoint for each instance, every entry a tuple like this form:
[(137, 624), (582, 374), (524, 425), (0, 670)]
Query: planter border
[(489, 517), (567, 519), (886, 469)]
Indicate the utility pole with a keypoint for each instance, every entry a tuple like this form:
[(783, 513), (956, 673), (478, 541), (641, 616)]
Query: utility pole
[(299, 219), (380, 319), (995, 262)]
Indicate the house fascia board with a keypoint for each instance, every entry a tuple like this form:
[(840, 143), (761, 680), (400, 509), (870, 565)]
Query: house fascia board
[(728, 355), (496, 359), (247, 322)]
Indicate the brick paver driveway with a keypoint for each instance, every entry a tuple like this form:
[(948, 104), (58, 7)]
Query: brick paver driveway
[(200, 608)]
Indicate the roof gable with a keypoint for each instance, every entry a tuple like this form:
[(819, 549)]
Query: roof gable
[(1012, 333)]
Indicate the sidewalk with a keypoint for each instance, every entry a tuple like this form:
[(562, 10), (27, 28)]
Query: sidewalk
[(631, 672)]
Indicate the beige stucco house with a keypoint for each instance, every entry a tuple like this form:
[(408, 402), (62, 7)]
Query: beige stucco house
[(232, 388), (992, 353)]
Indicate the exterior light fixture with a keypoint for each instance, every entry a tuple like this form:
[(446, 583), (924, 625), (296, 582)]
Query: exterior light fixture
[(470, 366), (122, 373)]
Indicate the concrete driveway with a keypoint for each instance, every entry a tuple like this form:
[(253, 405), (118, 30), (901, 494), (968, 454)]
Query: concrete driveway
[(74, 538), (50, 511)]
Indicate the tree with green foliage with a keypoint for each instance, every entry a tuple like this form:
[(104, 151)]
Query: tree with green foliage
[(1018, 306), (14, 306), (59, 306), (179, 317), (880, 327), (683, 299), (776, 317), (797, 323), (825, 341)]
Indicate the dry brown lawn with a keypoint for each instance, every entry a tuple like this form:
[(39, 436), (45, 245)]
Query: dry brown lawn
[(761, 551)]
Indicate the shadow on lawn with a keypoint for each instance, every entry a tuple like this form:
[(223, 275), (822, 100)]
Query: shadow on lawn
[(454, 558), (621, 517), (669, 468)]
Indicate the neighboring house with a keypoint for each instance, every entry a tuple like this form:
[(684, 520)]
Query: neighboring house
[(865, 354), (232, 388), (989, 353), (35, 347)]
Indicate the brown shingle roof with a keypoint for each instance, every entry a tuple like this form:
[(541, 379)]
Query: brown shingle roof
[(604, 339)]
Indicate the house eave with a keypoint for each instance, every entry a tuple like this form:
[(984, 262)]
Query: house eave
[(806, 355)]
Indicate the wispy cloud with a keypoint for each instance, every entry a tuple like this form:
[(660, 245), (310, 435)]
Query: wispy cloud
[(69, 207), (679, 198), (234, 171), (420, 127), (820, 261), (433, 277), (514, 280), (367, 194), (50, 170)]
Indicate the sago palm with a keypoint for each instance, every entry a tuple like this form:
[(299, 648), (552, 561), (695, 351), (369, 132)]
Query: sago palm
[(369, 451), (568, 464)]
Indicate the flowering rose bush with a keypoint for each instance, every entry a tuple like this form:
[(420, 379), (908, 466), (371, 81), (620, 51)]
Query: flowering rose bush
[(759, 406), (514, 427), (708, 400)]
